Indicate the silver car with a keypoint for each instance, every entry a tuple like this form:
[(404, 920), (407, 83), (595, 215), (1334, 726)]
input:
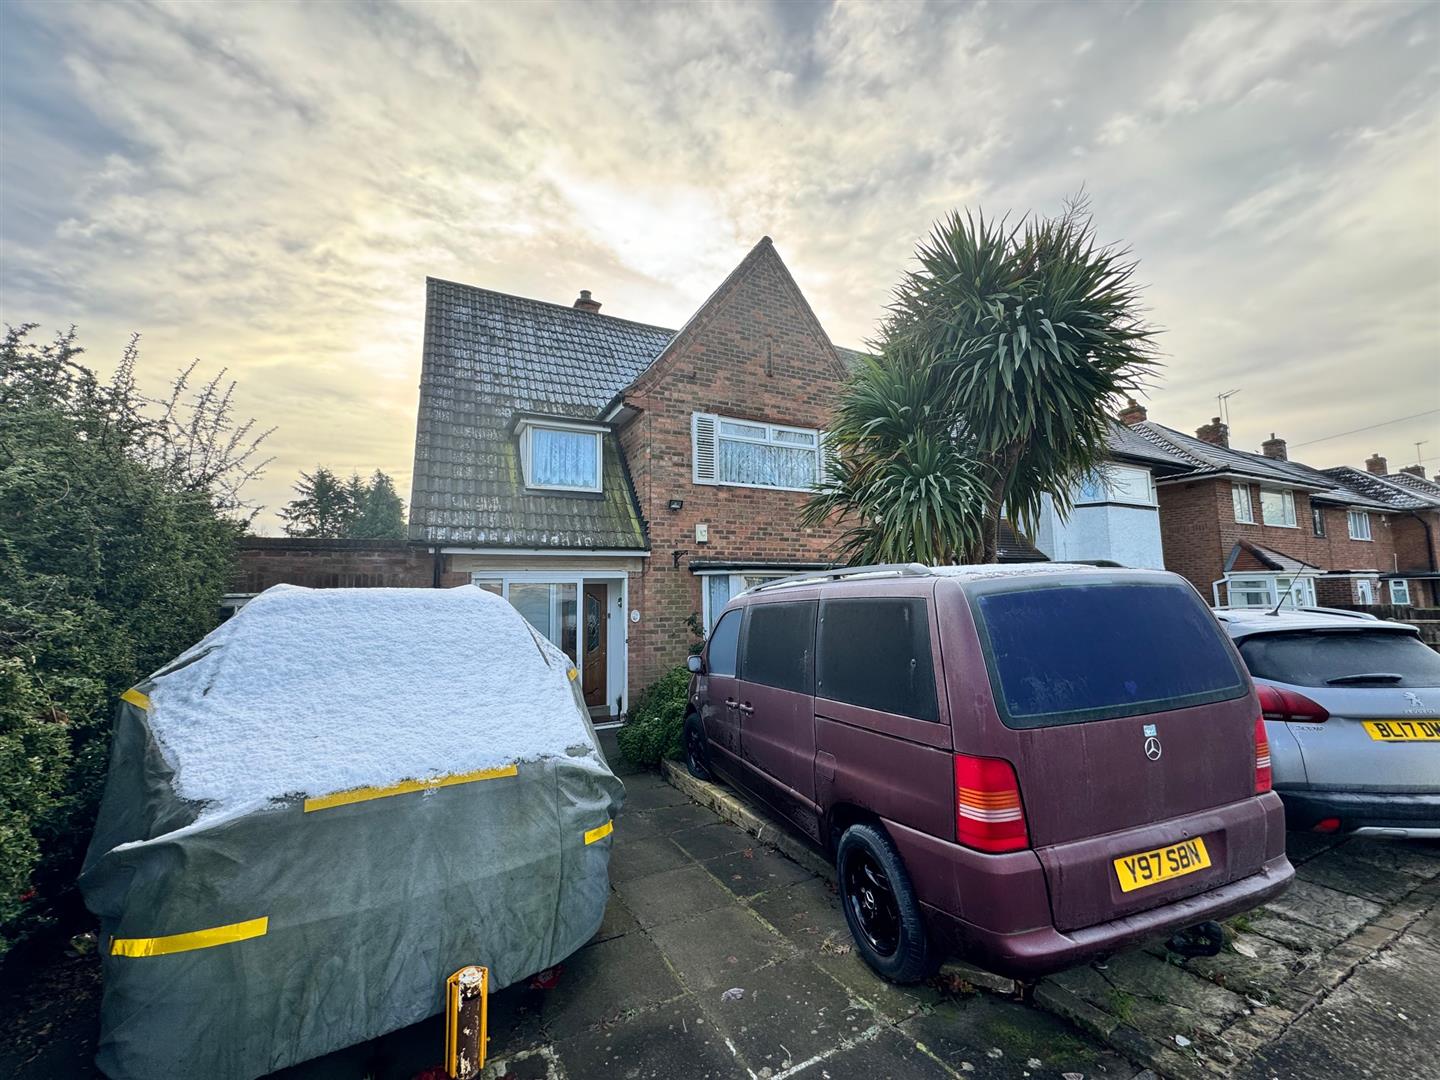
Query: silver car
[(1352, 711)]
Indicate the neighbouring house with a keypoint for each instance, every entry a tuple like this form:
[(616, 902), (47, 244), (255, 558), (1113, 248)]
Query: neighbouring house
[(1253, 530), (263, 561), (619, 482)]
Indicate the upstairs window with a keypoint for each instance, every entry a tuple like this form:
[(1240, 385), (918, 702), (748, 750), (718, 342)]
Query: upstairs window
[(1317, 520), (1117, 484), (1359, 524), (561, 457), (748, 453), (1277, 508), (1240, 497)]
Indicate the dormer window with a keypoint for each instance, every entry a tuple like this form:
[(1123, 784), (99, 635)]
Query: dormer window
[(561, 456)]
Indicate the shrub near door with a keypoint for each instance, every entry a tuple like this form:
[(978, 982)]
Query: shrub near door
[(652, 730)]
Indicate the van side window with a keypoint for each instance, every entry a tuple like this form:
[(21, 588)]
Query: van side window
[(780, 646), (875, 652), (724, 645)]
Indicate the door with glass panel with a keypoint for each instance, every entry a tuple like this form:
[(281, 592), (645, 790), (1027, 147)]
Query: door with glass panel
[(593, 627), (550, 607)]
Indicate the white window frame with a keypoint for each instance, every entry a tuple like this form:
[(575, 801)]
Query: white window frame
[(1317, 520), (737, 586), (705, 449), (1273, 586), (1359, 518), (1240, 496), (1364, 591), (528, 428), (1104, 489), (1400, 592), (1287, 508)]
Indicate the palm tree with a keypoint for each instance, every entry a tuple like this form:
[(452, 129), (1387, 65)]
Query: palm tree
[(1018, 340)]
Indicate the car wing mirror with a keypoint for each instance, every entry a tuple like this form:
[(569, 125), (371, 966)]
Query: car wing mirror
[(695, 664)]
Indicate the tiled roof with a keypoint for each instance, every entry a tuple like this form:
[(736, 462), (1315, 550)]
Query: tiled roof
[(1391, 490), (1267, 557), (487, 357), (1127, 443), (1426, 489)]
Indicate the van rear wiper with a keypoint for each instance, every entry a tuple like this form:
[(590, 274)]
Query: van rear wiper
[(1372, 676)]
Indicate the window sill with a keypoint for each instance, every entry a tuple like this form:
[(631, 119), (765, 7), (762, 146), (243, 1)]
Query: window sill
[(754, 487), (1363, 539), (1279, 525)]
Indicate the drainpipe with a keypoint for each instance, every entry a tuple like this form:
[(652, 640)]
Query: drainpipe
[(437, 567), (1429, 540)]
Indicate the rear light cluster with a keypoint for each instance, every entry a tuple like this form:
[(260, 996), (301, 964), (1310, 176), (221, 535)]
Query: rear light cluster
[(1288, 706), (1262, 757), (988, 813)]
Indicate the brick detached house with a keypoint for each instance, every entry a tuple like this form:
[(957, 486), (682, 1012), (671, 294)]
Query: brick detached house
[(1247, 529), (613, 479)]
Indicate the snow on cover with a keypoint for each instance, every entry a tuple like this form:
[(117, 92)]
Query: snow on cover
[(306, 692)]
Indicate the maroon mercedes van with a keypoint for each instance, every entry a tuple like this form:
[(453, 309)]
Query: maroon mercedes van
[(1026, 765)]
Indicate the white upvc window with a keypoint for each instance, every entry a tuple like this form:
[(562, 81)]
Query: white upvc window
[(1267, 590), (1277, 507), (1240, 499), (562, 456), (752, 453), (1399, 591), (718, 587), (1117, 484), (1359, 524)]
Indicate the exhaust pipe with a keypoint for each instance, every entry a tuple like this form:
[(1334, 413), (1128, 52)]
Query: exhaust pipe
[(1202, 939)]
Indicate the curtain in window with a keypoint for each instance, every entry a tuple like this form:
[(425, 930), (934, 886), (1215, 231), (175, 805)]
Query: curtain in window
[(766, 464), (562, 458), (719, 586)]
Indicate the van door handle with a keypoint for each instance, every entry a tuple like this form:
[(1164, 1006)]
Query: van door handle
[(746, 708), (731, 703)]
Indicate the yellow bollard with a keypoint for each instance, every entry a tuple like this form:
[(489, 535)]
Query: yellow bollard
[(465, 1001)]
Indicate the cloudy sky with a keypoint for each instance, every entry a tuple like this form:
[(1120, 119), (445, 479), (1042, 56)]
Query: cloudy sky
[(267, 186)]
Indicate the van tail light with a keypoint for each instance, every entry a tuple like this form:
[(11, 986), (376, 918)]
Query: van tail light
[(1262, 757), (1287, 705), (988, 814)]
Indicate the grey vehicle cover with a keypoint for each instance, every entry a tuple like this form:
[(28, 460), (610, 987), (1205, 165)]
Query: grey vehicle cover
[(242, 940)]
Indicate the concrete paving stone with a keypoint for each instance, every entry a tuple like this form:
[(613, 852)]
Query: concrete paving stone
[(1378, 1024), (1343, 872), (672, 1042), (893, 1003), (755, 870), (1414, 857), (886, 1056), (808, 913), (1156, 998), (787, 1014), (718, 947), (618, 921), (674, 894), (667, 820), (1302, 846), (605, 981), (1427, 926), (1324, 908), (641, 858), (707, 841), (649, 792), (1299, 936), (1259, 976), (973, 1030)]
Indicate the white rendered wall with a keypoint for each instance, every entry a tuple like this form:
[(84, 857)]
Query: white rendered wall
[(1128, 535)]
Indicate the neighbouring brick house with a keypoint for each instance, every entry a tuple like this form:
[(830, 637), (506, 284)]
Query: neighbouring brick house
[(615, 479), (264, 561), (1247, 529)]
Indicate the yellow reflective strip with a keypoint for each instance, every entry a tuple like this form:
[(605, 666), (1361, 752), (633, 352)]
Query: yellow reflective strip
[(135, 697), (365, 794), (196, 939), (599, 832), (572, 674)]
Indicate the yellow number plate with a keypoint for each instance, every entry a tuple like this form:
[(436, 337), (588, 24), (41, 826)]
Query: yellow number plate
[(1162, 864), (1403, 730)]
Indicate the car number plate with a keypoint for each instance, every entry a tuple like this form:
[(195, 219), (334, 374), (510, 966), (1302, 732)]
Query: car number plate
[(1403, 730), (1152, 867)]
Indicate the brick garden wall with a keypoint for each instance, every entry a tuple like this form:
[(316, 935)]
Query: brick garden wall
[(331, 564), (755, 352)]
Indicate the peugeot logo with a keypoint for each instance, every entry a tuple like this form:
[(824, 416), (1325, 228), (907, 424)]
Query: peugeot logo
[(1413, 700), (1152, 748)]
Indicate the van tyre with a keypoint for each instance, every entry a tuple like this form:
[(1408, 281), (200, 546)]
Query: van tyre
[(880, 906), (697, 755)]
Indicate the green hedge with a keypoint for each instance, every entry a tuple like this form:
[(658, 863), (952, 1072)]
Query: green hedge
[(654, 726)]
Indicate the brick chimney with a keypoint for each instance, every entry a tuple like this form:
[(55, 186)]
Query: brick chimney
[(1215, 433), (1415, 470), (1376, 464), (584, 303), (1274, 448), (1133, 413)]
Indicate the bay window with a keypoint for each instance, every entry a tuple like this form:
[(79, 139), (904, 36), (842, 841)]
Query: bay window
[(1117, 484)]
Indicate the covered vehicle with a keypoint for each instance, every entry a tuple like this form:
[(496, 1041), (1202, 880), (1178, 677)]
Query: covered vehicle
[(332, 802)]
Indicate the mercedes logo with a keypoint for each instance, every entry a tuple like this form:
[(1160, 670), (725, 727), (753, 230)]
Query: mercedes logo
[(1152, 748)]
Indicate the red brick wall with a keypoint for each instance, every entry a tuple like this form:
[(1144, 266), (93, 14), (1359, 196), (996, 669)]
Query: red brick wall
[(1198, 529), (331, 564), (1418, 550), (755, 352)]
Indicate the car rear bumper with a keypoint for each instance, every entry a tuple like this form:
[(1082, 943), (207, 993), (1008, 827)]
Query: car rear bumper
[(1032, 953), (1378, 813)]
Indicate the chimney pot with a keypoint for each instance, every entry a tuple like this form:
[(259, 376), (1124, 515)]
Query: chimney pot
[(1215, 433), (1415, 470), (585, 303), (1133, 413), (1274, 448), (1376, 464)]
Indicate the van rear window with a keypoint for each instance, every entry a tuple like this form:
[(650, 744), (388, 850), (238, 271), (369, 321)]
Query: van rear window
[(1095, 652)]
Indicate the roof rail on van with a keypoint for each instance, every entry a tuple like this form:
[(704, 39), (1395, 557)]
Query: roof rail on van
[(811, 577)]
